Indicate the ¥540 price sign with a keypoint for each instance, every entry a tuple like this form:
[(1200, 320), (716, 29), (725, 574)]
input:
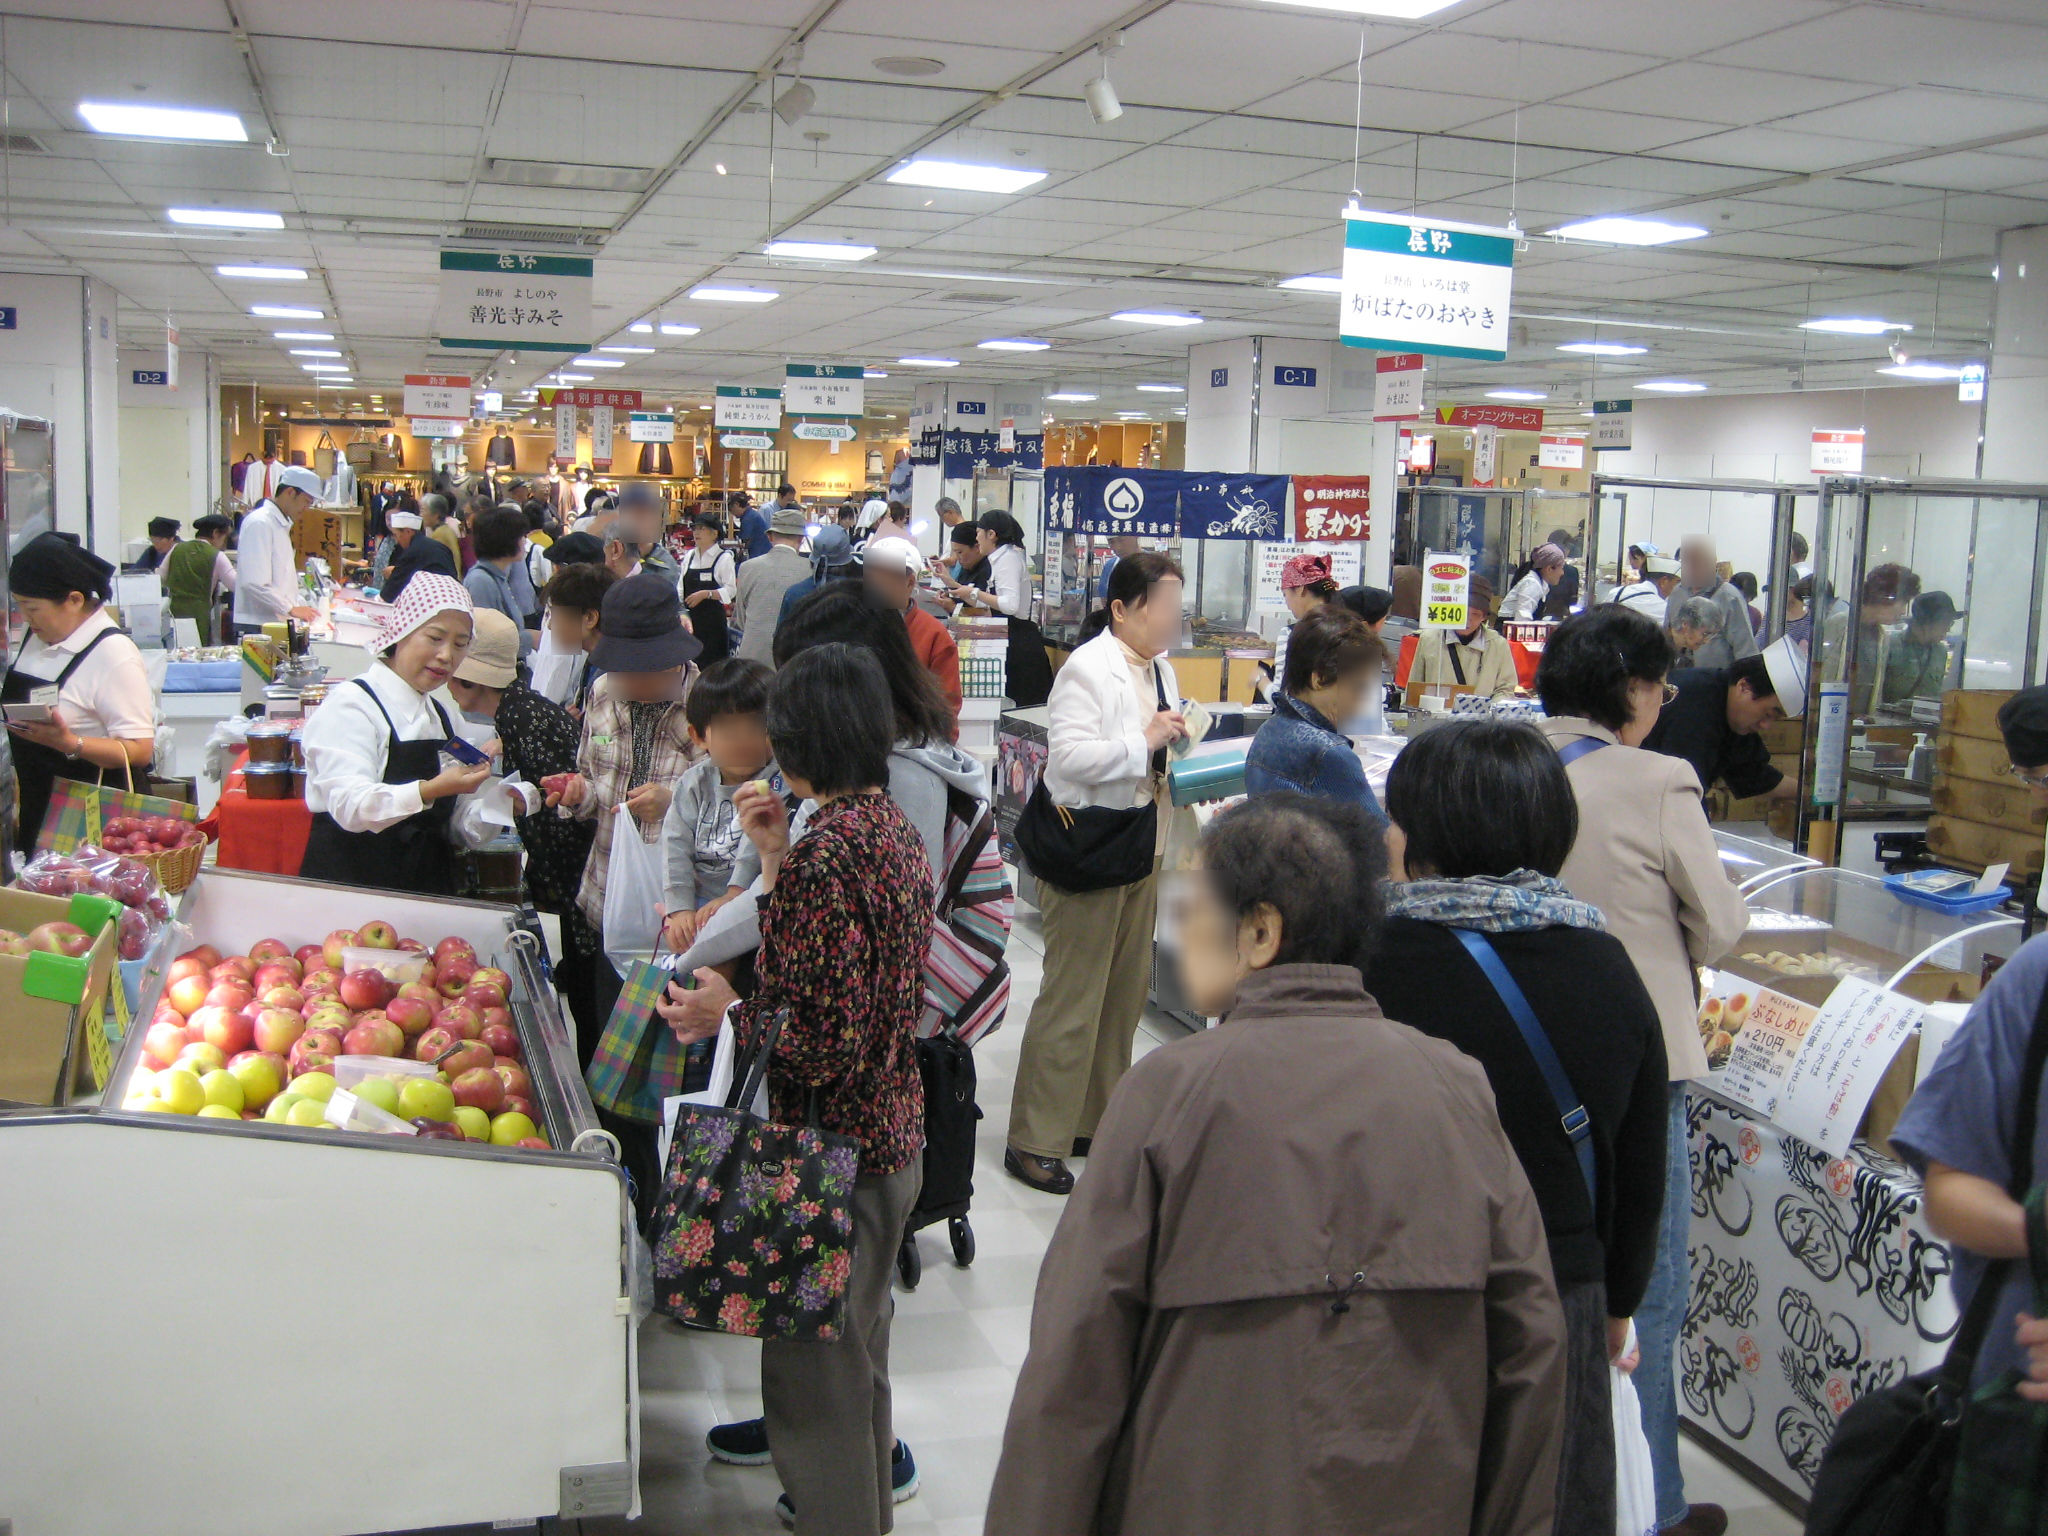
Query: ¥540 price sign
[(1446, 591), (1447, 615)]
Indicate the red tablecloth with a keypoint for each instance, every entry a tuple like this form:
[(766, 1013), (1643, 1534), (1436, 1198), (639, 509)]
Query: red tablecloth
[(264, 835)]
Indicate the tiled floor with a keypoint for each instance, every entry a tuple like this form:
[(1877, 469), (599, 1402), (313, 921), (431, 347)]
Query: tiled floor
[(958, 1341)]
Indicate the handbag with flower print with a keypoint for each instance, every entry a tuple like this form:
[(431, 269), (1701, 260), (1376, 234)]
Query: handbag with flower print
[(753, 1233)]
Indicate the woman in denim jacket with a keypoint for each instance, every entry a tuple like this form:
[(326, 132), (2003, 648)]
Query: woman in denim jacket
[(1333, 659)]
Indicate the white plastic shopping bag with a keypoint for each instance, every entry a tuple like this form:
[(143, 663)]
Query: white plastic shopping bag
[(723, 1066), (633, 887), (556, 672), (1635, 1502)]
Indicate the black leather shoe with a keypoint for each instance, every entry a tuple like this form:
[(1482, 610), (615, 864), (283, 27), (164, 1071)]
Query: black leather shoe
[(1047, 1175), (1082, 1145)]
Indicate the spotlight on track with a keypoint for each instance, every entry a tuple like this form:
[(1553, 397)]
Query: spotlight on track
[(1099, 93)]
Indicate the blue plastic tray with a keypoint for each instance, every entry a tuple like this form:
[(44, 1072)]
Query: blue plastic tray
[(1964, 900)]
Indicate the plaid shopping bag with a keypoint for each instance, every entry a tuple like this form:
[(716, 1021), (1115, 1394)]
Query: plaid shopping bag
[(2000, 1487), (638, 1061), (78, 811)]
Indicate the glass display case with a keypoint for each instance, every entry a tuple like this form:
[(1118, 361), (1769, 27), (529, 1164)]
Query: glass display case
[(1749, 862)]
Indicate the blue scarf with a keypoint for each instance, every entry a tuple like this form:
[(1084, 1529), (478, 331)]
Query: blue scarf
[(1517, 903)]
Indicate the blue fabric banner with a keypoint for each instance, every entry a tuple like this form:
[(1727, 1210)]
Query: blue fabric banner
[(965, 452), (1219, 506), (1101, 498)]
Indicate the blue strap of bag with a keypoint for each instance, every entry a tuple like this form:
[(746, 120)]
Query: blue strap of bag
[(1578, 1125), (1572, 751)]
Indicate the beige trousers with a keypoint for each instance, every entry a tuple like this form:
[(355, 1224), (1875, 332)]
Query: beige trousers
[(1077, 1047)]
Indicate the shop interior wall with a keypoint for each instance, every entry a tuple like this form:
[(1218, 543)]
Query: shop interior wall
[(2016, 399), (169, 466), (51, 365)]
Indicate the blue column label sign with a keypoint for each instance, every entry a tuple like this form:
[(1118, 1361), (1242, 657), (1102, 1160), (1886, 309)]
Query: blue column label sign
[(1302, 378), (1219, 378), (7, 317), (159, 377)]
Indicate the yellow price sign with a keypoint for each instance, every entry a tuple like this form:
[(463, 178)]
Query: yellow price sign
[(1452, 614)]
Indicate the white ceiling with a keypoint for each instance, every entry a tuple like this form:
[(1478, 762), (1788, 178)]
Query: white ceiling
[(1849, 156)]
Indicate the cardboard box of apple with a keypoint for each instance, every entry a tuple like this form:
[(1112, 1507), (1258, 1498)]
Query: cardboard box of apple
[(257, 1036)]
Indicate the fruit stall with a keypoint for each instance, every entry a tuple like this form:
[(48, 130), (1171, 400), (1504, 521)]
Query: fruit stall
[(341, 1250)]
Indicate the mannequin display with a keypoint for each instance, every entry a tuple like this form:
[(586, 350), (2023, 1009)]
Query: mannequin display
[(500, 452), (262, 478), (655, 459), (238, 472)]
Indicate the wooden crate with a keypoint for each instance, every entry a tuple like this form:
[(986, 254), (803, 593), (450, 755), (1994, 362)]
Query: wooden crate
[(1974, 758), (2008, 804), (1973, 845), (1973, 711)]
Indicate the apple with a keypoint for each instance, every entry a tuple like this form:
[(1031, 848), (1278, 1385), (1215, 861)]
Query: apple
[(424, 991), (502, 1017), (162, 1043), (534, 1143), (412, 1016), (479, 1088), (277, 973), (305, 1061), (377, 934), (490, 975), (511, 1128), (221, 1111), (452, 946), (179, 1091), (207, 956), (482, 995), (223, 1090), (222, 1026), (380, 1037), (470, 1055), (380, 1091), (319, 979), (277, 1030), (188, 994), (475, 1123), (461, 1019), (12, 943), (365, 989), (186, 965), (519, 1104), (434, 1043), (262, 1076), (269, 949), (309, 956), (307, 1113), (452, 977), (231, 995), (436, 1130), (422, 1098), (314, 1085), (289, 998), (518, 1081), (202, 1056), (59, 938), (412, 946), (503, 1040), (337, 941), (234, 968)]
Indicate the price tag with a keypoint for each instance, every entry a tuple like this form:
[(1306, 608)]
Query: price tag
[(1446, 590), (1447, 613)]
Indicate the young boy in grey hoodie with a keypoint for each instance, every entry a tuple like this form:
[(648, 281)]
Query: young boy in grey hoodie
[(727, 715)]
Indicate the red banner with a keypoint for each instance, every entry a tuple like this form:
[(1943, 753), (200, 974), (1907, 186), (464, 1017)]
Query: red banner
[(1328, 508), (1509, 418), (620, 399)]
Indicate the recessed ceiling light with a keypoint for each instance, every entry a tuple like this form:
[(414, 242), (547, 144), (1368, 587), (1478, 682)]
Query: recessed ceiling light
[(325, 367), (641, 328), (670, 328), (574, 378), (819, 250), (1155, 317), (1849, 325), (958, 177), (1625, 231), (873, 373), (1671, 386), (719, 167), (1515, 394), (1070, 394), (619, 346), (1162, 389), (1603, 348), (598, 362), (277, 274), (303, 335), (928, 362), (1402, 10), (719, 295), (1013, 344), (1313, 284), (225, 218), (285, 312), (1922, 371), (142, 122), (909, 66), (313, 352)]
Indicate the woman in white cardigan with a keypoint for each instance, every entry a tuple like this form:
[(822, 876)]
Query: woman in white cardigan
[(1114, 712)]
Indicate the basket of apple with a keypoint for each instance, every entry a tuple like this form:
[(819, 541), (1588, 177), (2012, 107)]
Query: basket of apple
[(260, 1036), (169, 845)]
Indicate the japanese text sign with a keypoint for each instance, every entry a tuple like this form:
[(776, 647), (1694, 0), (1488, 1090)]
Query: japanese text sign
[(1509, 418), (1099, 498), (1397, 387), (1220, 506), (1446, 590), (441, 395), (1561, 453), (495, 299), (1614, 423), (1331, 508), (747, 406), (1838, 452), (1412, 285), (823, 389), (590, 399), (650, 427)]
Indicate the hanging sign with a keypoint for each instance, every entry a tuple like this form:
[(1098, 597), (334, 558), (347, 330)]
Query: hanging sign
[(1838, 452), (590, 399), (442, 395), (1509, 418), (489, 403), (1006, 435), (1446, 590), (496, 299), (964, 454), (435, 426), (746, 440), (1421, 455), (600, 437), (565, 432), (1485, 443), (1614, 424), (1969, 384), (1216, 506), (171, 357), (825, 431), (1332, 507), (155, 377), (823, 389), (1397, 387), (1561, 453), (1412, 285), (650, 427), (747, 405)]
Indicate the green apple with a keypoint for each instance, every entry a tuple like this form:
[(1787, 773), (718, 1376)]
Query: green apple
[(510, 1128), (223, 1090), (318, 1086), (423, 1099), (220, 1112), (158, 1107), (307, 1112), (280, 1107), (476, 1125), (380, 1091), (180, 1091)]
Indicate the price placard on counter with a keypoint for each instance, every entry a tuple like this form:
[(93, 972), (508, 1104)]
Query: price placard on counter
[(1446, 591)]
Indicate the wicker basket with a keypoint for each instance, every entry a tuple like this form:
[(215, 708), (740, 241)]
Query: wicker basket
[(176, 870)]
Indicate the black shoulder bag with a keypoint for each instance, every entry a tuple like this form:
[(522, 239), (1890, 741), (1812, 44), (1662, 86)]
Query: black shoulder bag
[(1092, 847), (1889, 1468)]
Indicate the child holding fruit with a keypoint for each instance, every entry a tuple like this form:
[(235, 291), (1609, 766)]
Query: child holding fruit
[(727, 714)]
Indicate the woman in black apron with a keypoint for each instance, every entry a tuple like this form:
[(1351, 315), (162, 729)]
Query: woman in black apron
[(709, 570), (84, 668), (1027, 669), (381, 798)]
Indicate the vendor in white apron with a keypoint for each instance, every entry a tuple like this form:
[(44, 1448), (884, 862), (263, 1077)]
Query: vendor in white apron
[(381, 793), (83, 668)]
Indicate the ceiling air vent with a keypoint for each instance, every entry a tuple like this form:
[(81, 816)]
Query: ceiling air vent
[(530, 234), (975, 296), (567, 174), (22, 144)]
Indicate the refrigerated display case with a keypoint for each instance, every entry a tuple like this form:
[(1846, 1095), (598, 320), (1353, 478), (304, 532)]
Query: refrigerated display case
[(222, 1326), (1749, 862)]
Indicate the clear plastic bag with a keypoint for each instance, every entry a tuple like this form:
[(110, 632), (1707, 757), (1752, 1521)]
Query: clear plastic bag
[(88, 869)]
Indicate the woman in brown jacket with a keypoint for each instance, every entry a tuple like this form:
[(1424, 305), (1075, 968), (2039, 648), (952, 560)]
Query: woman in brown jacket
[(1303, 1287)]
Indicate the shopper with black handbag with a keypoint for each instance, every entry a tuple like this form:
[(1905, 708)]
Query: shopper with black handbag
[(1092, 833)]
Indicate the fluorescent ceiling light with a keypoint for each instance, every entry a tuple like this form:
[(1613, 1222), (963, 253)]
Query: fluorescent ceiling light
[(1515, 394), (1013, 344), (598, 362), (873, 373), (928, 362), (285, 312), (1672, 386), (671, 328), (1403, 10), (641, 328), (162, 122), (303, 335), (1922, 371), (820, 250), (278, 274), (1849, 325), (958, 177), (314, 352), (325, 367), (615, 346), (225, 218), (1624, 231), (1070, 394), (1603, 349), (1155, 317), (1131, 416), (1162, 389), (574, 378), (1313, 284), (719, 295)]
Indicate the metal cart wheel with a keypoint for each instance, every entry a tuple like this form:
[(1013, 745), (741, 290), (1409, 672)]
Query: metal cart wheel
[(909, 1262), (963, 1240)]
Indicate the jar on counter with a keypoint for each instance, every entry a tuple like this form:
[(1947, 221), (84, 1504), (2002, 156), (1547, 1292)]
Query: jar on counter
[(270, 743), (268, 781), (299, 749)]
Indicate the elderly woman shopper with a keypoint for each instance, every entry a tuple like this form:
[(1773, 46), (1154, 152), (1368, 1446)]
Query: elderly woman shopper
[(1333, 662), (1698, 631), (1646, 858), (843, 933), (1115, 712), (1485, 948), (1263, 1311), (99, 724)]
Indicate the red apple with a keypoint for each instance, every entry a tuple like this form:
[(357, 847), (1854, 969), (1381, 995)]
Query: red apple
[(269, 949), (482, 995), (424, 991), (449, 947), (188, 994), (519, 1104), (320, 979), (412, 946), (207, 956), (365, 989), (480, 1088), (277, 1030), (186, 965), (503, 1040), (490, 975), (378, 934), (534, 1143), (202, 1057), (286, 997), (166, 1014), (224, 1027), (431, 1045), (496, 1016), (469, 1056), (412, 1016), (276, 973), (452, 977), (162, 1043), (515, 1077), (309, 955), (373, 1036), (303, 1062), (461, 1020), (231, 995), (12, 943), (337, 941), (319, 1037), (234, 968), (59, 938)]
